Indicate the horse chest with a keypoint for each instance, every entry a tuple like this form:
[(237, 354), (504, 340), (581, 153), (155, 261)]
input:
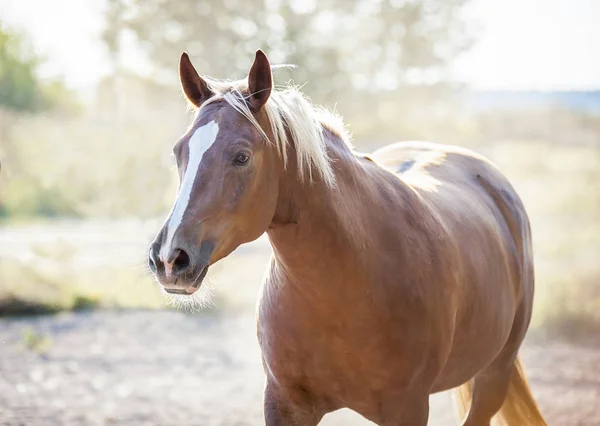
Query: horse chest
[(344, 353)]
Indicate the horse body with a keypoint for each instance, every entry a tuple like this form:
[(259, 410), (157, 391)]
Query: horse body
[(392, 277), (397, 310)]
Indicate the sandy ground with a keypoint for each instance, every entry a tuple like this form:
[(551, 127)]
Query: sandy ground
[(165, 367)]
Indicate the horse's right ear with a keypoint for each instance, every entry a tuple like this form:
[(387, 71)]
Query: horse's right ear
[(194, 86)]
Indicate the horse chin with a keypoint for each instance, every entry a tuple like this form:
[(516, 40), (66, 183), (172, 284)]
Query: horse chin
[(191, 288), (188, 291)]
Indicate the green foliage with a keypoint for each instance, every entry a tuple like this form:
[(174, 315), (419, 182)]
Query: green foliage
[(26, 198), (36, 341), (25, 192), (19, 87), (84, 303), (60, 100)]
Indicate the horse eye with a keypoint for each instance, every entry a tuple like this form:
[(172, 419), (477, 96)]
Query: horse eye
[(241, 159)]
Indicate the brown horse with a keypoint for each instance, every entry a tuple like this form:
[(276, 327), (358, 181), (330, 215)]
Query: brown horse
[(393, 276)]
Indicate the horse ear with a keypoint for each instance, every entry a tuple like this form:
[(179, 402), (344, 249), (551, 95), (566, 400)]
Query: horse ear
[(260, 81), (194, 86)]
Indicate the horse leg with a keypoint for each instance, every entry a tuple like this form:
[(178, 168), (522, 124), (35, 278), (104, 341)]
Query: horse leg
[(491, 386), (489, 392), (290, 407)]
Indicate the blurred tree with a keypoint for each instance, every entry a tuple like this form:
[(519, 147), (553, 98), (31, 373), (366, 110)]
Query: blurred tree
[(342, 46), (19, 88), (21, 91)]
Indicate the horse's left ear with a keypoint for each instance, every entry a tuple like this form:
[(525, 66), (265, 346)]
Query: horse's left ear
[(260, 81)]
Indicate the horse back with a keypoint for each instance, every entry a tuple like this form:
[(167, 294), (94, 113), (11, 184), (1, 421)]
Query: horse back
[(464, 191)]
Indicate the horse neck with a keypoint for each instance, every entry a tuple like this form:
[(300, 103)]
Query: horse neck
[(314, 222)]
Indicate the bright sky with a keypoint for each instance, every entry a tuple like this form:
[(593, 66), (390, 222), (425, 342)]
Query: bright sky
[(521, 44), (534, 44)]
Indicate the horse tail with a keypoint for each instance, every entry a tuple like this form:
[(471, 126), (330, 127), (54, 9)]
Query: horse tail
[(463, 395), (519, 407)]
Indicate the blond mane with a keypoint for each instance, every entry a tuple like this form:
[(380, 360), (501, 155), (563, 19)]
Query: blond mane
[(291, 113)]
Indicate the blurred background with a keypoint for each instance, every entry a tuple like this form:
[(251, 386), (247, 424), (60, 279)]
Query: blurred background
[(90, 107)]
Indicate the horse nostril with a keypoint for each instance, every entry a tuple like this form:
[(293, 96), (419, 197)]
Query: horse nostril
[(180, 261)]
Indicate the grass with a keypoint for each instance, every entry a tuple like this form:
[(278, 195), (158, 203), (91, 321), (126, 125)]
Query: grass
[(30, 289), (55, 278), (36, 341)]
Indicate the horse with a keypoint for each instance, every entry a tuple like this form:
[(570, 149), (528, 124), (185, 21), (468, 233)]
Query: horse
[(393, 275)]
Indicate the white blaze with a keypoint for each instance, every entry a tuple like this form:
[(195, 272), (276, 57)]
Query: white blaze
[(199, 143)]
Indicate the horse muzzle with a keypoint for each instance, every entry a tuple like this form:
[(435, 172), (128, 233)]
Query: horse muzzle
[(180, 270)]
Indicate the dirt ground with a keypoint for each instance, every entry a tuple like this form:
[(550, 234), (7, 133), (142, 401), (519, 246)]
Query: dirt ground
[(166, 367)]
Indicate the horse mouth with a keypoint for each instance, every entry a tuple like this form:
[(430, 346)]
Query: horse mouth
[(193, 287)]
